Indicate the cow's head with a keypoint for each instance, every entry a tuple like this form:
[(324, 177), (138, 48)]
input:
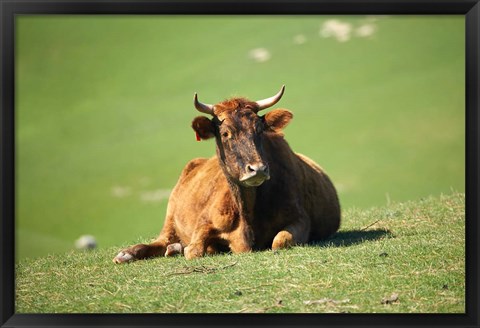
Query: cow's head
[(239, 132)]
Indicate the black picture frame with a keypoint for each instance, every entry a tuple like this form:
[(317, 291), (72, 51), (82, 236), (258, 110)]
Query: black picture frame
[(9, 9)]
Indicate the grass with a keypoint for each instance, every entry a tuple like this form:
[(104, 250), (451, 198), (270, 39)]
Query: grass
[(414, 249), (104, 104)]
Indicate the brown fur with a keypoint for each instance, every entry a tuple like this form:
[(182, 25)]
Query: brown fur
[(210, 209)]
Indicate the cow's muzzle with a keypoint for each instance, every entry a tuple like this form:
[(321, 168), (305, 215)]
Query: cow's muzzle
[(255, 175)]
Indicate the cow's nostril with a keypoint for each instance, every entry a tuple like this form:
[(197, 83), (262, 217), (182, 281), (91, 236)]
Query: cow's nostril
[(256, 174), (257, 168)]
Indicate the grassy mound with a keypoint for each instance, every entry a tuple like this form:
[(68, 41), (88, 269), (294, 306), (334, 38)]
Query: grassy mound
[(103, 108), (405, 257)]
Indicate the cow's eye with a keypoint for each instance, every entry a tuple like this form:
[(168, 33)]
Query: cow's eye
[(226, 135)]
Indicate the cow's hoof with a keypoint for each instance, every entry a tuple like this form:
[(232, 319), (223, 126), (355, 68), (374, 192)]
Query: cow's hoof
[(174, 249), (283, 239), (190, 252), (123, 257)]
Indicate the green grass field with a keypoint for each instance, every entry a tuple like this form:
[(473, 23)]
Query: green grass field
[(414, 250), (104, 105)]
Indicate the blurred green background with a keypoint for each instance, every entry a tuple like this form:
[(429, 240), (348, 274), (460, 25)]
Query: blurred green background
[(104, 106)]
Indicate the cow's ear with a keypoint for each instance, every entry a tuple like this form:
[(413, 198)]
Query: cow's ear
[(278, 119), (203, 127)]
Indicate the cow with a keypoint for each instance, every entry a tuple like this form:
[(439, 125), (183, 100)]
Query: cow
[(254, 194)]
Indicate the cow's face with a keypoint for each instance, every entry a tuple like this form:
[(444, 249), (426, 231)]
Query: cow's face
[(239, 132)]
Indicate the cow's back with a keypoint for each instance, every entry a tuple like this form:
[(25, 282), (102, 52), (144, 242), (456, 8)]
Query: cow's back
[(320, 198)]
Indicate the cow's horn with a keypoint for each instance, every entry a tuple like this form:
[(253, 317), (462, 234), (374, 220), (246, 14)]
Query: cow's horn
[(204, 108), (269, 102)]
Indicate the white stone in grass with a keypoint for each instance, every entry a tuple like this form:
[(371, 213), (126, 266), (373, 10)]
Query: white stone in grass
[(299, 39), (365, 30), (121, 192), (337, 29), (86, 242), (157, 195), (260, 55)]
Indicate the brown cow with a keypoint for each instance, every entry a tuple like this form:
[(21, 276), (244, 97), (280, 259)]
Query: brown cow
[(256, 193)]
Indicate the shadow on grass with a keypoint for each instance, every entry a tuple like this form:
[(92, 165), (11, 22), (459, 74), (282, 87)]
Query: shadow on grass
[(354, 237)]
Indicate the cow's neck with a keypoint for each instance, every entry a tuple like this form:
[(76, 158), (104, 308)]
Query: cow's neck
[(245, 199)]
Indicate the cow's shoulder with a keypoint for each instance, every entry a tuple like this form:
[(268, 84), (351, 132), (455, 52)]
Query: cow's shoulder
[(310, 163), (199, 169), (192, 164)]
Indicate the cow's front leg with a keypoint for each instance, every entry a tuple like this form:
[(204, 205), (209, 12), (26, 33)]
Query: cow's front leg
[(199, 242), (241, 239), (295, 233), (174, 249)]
